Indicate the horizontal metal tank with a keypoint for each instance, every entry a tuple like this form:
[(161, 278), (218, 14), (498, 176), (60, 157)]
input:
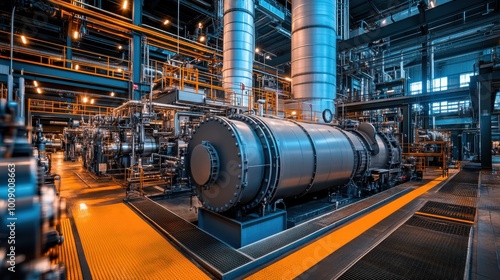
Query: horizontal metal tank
[(244, 160)]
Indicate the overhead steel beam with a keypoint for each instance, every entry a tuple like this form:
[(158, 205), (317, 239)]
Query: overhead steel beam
[(197, 8), (410, 23), (67, 77), (459, 94), (374, 7), (475, 46), (129, 25)]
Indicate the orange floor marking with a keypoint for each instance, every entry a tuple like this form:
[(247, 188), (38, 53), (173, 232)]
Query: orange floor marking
[(298, 262)]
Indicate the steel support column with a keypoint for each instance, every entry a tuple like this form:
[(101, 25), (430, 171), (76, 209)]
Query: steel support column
[(485, 122), (406, 131), (69, 44), (135, 51)]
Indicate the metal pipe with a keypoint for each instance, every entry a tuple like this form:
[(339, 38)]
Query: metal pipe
[(10, 80), (21, 98), (159, 105), (401, 67), (141, 134)]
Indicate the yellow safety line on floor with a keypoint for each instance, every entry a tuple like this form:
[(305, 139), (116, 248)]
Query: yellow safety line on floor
[(298, 262), (444, 218), (68, 253), (119, 245)]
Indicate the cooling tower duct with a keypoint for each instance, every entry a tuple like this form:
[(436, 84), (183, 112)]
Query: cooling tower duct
[(238, 50), (314, 33)]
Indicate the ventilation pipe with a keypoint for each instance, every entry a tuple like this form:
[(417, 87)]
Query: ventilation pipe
[(314, 35), (238, 51)]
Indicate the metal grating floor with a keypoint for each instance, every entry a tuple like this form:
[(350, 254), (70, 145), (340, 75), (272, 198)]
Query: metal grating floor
[(460, 189), (336, 218), (422, 248), (220, 257), (68, 253), (449, 210), (490, 179), (223, 261)]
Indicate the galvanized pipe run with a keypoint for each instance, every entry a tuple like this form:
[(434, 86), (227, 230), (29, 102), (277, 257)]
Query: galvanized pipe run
[(314, 35), (238, 50)]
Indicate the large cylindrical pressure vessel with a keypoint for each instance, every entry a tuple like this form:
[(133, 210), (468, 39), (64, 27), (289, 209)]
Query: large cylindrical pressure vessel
[(314, 33), (238, 49), (242, 161)]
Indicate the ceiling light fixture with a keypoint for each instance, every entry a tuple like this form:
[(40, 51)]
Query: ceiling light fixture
[(76, 34), (257, 50), (120, 47), (166, 22), (23, 38), (85, 99), (39, 90), (125, 5), (92, 101), (202, 38), (77, 67), (35, 83), (112, 93)]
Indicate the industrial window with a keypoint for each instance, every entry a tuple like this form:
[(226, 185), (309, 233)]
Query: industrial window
[(416, 88), (449, 107), (440, 84), (465, 79), (497, 102)]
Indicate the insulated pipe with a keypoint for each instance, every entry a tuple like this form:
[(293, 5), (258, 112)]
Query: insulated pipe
[(314, 33), (10, 79), (242, 161), (21, 99), (238, 50), (154, 104)]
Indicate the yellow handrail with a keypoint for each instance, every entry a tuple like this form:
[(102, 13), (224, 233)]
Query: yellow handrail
[(54, 55), (66, 108)]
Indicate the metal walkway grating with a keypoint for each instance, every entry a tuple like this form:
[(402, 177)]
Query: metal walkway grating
[(490, 179), (449, 210), (333, 219), (218, 257), (460, 189), (422, 248), (68, 252)]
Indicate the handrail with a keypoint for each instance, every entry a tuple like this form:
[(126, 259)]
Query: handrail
[(54, 55), (66, 108)]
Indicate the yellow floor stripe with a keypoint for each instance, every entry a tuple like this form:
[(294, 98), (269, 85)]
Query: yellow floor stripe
[(444, 218), (68, 254), (119, 245), (298, 262)]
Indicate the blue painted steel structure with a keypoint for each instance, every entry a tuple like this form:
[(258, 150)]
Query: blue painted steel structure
[(136, 50), (71, 78)]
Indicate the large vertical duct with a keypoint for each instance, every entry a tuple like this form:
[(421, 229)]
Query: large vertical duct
[(238, 50), (314, 42)]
